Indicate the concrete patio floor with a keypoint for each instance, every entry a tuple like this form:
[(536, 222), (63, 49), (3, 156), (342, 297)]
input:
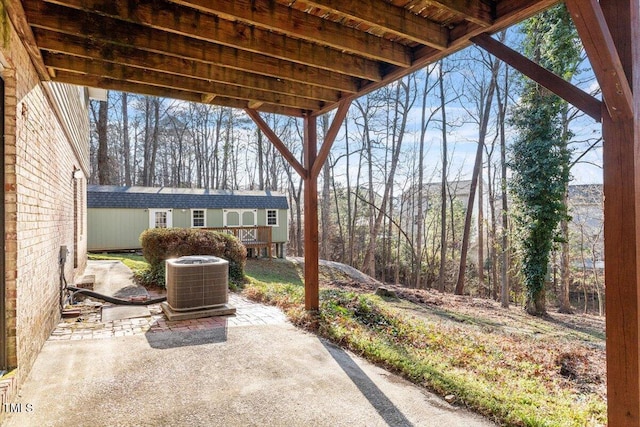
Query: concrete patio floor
[(252, 369)]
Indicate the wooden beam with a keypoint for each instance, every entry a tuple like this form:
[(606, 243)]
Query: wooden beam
[(544, 77), (277, 142), (621, 178), (18, 18), (603, 55), (395, 20), (161, 16), (145, 89), (129, 56), (155, 78), (311, 255), (282, 19), (338, 119), (113, 31)]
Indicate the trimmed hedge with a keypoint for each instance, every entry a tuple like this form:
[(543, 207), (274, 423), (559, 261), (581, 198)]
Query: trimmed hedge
[(160, 244)]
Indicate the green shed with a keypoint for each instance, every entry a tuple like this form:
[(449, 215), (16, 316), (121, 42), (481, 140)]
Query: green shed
[(117, 215)]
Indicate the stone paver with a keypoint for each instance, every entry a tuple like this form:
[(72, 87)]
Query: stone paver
[(90, 326)]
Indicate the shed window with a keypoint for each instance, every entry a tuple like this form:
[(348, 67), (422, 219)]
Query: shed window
[(272, 217), (198, 218), (161, 219)]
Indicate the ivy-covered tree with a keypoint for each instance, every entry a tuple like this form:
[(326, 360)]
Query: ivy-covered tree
[(539, 155)]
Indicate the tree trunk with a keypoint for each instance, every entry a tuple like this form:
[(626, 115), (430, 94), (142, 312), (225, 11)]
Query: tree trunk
[(126, 144), (443, 186), (504, 271), (481, 230), (536, 305), (104, 174), (484, 121), (565, 273), (260, 160), (154, 140), (420, 200), (325, 202)]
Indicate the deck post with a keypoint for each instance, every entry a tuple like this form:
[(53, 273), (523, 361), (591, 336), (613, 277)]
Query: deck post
[(622, 225), (311, 256)]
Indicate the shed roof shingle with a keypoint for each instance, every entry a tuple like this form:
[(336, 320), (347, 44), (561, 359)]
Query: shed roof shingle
[(107, 196)]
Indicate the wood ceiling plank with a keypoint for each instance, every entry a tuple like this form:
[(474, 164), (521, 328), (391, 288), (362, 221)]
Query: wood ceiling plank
[(145, 89), (396, 20), (148, 39), (155, 78), (284, 20), (125, 55), (162, 16)]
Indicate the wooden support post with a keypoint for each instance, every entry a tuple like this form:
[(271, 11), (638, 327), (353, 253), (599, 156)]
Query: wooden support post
[(311, 256), (622, 222), (313, 162)]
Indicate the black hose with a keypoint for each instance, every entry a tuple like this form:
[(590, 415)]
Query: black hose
[(113, 300)]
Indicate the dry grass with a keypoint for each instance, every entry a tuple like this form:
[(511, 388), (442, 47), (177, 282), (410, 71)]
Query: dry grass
[(513, 368)]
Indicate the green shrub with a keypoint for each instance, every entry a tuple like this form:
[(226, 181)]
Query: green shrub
[(160, 244)]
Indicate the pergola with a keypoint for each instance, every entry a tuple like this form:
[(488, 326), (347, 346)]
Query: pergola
[(307, 57)]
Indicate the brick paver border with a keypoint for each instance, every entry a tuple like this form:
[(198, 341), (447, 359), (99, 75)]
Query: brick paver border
[(90, 326)]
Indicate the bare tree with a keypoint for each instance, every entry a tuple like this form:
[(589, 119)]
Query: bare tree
[(486, 100), (404, 99), (443, 183)]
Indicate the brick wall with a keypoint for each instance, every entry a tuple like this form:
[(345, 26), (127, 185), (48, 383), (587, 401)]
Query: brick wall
[(40, 158)]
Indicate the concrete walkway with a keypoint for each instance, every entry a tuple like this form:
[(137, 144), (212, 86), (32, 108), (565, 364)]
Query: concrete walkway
[(252, 369)]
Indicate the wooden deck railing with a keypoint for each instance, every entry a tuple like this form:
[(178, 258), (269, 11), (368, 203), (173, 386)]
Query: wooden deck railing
[(256, 237)]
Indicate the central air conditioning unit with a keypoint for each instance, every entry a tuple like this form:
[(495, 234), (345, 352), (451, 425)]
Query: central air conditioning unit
[(197, 282)]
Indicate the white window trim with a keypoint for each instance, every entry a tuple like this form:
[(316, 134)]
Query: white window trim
[(152, 217), (267, 217), (205, 218), (240, 213)]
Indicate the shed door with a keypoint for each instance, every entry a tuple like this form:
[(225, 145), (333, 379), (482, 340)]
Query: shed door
[(160, 218)]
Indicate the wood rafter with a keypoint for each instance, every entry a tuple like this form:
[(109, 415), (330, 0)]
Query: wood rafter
[(461, 38), (396, 20), (233, 34), (282, 19), (125, 55), (316, 51), (137, 75), (73, 22), (146, 89)]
